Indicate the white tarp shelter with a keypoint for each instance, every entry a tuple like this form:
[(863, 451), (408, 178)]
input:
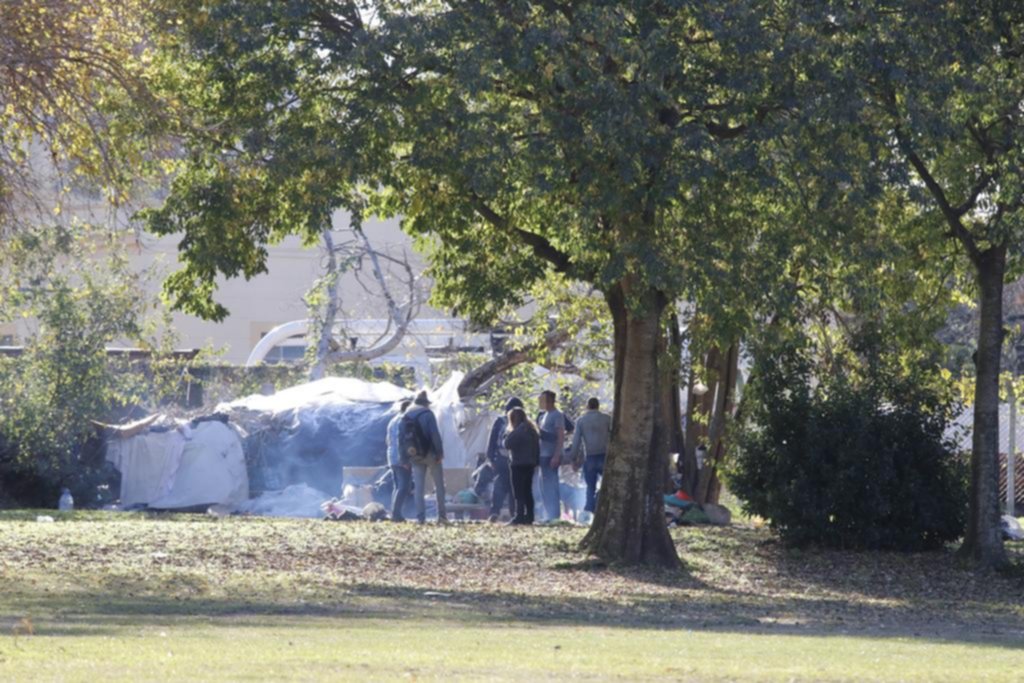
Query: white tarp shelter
[(303, 437), (345, 419), (181, 467)]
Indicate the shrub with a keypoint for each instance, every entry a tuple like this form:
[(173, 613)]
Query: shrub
[(849, 466)]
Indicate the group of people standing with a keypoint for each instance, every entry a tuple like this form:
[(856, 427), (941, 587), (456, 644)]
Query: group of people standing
[(415, 448), (517, 448)]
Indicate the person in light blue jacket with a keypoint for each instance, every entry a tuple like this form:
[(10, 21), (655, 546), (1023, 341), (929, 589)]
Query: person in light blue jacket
[(551, 423), (400, 471)]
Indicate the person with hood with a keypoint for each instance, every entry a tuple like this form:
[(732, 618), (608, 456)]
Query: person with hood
[(522, 441), (420, 426), (401, 468), (498, 460)]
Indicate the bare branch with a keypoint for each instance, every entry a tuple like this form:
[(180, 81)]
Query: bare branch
[(474, 381)]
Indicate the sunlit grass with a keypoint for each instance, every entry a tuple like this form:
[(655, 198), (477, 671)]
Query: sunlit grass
[(110, 597)]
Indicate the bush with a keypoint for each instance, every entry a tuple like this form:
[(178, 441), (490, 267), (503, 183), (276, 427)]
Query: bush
[(840, 465), (49, 394)]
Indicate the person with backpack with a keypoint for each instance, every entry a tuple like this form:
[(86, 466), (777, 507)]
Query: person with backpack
[(522, 441), (420, 442), (498, 458), (401, 468)]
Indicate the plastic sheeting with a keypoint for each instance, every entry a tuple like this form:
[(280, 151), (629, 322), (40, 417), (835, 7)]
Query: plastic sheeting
[(477, 432), (182, 467), (148, 464), (309, 433)]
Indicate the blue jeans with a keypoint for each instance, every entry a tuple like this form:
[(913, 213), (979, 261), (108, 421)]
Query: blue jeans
[(593, 469), (549, 494), (403, 487)]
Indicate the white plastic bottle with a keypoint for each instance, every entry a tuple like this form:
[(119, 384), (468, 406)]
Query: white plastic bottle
[(66, 502)]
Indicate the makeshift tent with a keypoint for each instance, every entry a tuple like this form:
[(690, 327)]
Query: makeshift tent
[(309, 433), (180, 466), (294, 447), (476, 432)]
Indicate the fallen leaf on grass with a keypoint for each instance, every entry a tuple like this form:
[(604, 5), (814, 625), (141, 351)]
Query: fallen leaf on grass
[(24, 627)]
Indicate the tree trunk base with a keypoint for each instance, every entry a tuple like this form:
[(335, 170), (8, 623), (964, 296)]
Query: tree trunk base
[(648, 550), (993, 556)]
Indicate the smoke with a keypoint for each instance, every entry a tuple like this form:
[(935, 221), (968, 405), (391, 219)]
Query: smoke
[(309, 433), (312, 446)]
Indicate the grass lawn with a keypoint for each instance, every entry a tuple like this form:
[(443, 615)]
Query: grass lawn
[(108, 597)]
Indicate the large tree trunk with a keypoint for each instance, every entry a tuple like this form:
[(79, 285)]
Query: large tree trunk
[(983, 540), (629, 524), (709, 485), (698, 412)]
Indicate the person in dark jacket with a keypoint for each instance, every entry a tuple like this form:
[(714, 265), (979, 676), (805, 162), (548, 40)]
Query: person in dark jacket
[(401, 469), (498, 460), (522, 440)]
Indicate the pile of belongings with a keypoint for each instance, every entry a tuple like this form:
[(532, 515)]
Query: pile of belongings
[(682, 510), (336, 511), (1012, 530)]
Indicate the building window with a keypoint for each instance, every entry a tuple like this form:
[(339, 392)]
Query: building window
[(291, 353)]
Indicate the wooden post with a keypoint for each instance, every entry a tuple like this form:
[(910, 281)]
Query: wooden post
[(1011, 457)]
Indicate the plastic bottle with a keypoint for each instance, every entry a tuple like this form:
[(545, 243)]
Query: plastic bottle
[(66, 502)]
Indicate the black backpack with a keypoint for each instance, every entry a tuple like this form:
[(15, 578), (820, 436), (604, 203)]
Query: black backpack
[(412, 442)]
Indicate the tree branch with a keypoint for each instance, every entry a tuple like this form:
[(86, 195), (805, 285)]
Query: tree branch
[(542, 248), (474, 381), (948, 211)]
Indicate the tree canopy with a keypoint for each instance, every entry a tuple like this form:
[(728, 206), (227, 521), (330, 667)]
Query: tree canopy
[(759, 159), (69, 71), (939, 89)]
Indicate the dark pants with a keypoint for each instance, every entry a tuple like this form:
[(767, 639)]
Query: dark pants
[(593, 469), (502, 490), (403, 487), (522, 490)]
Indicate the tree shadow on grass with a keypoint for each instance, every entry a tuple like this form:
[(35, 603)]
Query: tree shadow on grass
[(93, 615)]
